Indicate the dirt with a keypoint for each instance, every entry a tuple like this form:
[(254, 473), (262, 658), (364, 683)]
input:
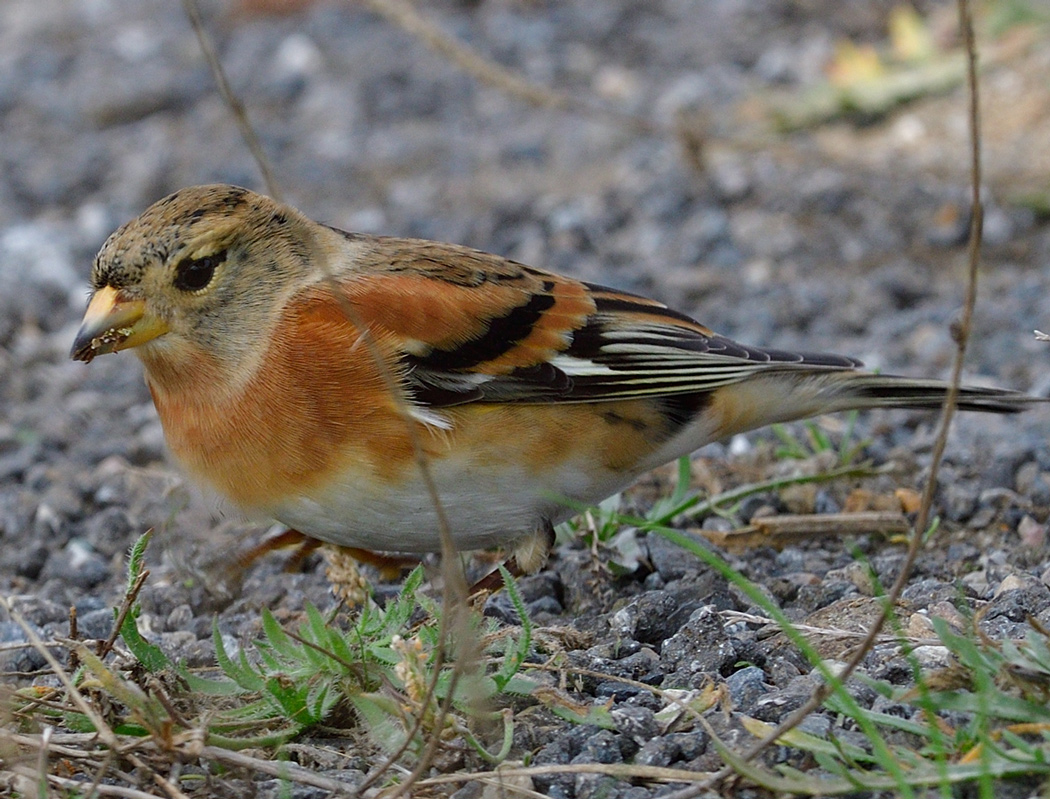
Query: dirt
[(848, 237)]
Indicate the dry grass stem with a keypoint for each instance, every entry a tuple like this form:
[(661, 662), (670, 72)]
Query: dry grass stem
[(405, 16), (105, 647), (281, 769), (780, 531), (237, 109), (104, 731), (961, 335), (455, 589)]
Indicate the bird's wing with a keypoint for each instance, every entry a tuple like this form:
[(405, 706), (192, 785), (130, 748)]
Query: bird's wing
[(473, 327)]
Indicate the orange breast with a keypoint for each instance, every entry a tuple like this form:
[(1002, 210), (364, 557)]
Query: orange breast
[(317, 409), (315, 401)]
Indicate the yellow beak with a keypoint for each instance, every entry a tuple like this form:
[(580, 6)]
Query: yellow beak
[(114, 322)]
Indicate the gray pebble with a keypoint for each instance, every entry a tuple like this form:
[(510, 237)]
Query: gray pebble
[(660, 752), (638, 723), (601, 747), (471, 790), (598, 786), (39, 610), (21, 659), (77, 564), (700, 647), (746, 686), (648, 619)]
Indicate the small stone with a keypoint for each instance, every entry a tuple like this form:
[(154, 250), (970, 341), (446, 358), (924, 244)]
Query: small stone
[(1031, 533), (20, 659), (730, 174), (658, 752), (920, 626), (653, 582), (690, 744), (923, 593), (109, 530), (948, 612), (669, 560), (700, 647), (78, 564), (547, 606), (1012, 582), (746, 686), (601, 747), (857, 573), (174, 644), (471, 790), (933, 657), (597, 786), (39, 610), (180, 618), (1016, 599), (815, 724), (618, 691), (96, 624), (637, 723), (1026, 476), (648, 618), (499, 606)]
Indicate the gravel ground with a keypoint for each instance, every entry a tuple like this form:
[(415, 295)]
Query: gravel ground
[(846, 238)]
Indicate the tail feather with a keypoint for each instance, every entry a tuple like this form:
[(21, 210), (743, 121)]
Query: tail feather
[(789, 395), (890, 391)]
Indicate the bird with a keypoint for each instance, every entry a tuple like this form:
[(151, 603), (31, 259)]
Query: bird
[(335, 381)]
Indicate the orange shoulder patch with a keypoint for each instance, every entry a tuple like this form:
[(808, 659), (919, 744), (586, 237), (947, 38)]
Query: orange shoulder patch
[(491, 328)]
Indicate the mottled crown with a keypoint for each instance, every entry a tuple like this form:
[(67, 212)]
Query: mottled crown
[(175, 223)]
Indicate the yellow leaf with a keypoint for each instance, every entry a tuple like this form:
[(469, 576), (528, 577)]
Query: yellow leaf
[(854, 64), (910, 36)]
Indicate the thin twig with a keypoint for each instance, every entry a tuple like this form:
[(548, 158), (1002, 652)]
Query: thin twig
[(623, 771), (405, 16), (778, 531), (76, 787), (101, 727), (961, 334), (455, 584), (240, 113), (53, 746), (105, 647), (282, 769), (74, 635)]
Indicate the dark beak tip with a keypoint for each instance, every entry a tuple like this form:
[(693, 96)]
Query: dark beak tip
[(82, 349), (81, 353)]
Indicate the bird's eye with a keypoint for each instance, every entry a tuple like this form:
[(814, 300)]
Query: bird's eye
[(194, 274)]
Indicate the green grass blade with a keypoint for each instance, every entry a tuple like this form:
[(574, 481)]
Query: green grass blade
[(150, 656)]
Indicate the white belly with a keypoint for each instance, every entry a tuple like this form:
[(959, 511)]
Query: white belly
[(489, 497), (482, 509)]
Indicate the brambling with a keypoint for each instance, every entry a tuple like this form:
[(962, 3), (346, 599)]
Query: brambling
[(295, 367)]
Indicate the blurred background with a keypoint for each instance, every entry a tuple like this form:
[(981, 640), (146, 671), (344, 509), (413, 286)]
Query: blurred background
[(795, 174)]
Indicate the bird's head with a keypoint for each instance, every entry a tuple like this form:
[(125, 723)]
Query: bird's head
[(203, 268)]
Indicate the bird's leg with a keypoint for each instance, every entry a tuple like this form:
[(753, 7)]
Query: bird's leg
[(287, 538), (529, 556), (389, 566)]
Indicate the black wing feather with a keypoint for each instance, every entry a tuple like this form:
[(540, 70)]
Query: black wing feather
[(629, 348)]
